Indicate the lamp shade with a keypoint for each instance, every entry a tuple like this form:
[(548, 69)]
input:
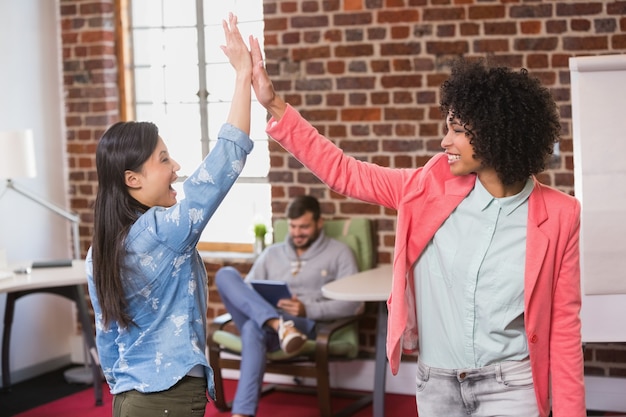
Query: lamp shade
[(17, 154)]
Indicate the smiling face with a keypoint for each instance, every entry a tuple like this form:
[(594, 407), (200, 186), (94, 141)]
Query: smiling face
[(304, 230), (152, 185), (457, 146)]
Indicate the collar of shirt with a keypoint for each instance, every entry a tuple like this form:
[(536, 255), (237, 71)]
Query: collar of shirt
[(508, 204)]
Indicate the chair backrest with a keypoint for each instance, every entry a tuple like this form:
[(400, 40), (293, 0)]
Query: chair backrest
[(356, 233)]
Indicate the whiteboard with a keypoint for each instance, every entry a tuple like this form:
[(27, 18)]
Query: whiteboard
[(598, 86)]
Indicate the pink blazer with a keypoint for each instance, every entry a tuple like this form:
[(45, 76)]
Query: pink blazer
[(424, 198)]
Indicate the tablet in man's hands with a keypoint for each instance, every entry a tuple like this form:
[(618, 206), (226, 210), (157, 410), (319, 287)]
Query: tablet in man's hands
[(272, 291)]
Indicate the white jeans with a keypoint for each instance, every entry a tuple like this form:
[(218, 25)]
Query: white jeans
[(502, 389)]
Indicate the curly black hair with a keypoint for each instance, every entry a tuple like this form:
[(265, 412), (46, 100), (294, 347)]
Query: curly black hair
[(512, 119)]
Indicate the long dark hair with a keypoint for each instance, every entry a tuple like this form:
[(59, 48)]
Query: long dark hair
[(124, 146)]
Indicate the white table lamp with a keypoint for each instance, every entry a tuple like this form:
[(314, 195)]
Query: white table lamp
[(17, 159)]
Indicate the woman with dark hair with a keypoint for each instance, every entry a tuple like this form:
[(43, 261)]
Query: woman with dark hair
[(486, 262), (146, 279)]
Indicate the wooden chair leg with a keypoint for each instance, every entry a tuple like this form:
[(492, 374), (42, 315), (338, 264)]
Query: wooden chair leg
[(214, 361), (323, 387)]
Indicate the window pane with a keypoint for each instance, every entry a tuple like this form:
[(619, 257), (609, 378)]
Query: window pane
[(244, 205), (181, 84), (258, 122), (179, 12), (258, 164), (149, 85), (146, 13), (220, 82), (216, 10), (180, 46), (180, 129), (215, 37), (150, 112), (149, 47)]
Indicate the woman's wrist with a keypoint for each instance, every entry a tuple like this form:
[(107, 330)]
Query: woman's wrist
[(276, 107)]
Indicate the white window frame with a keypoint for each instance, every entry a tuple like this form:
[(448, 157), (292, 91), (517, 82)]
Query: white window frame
[(159, 33)]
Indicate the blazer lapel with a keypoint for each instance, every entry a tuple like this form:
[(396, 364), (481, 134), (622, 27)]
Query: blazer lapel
[(536, 240), (437, 209)]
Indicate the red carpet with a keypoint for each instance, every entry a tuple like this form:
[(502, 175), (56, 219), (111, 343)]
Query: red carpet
[(277, 404)]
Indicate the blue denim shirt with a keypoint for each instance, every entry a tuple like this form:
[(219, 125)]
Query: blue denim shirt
[(165, 281)]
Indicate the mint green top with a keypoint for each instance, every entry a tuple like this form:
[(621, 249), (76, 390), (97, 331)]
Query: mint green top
[(469, 283)]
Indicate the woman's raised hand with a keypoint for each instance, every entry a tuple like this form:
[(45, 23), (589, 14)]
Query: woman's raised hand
[(235, 48), (262, 85)]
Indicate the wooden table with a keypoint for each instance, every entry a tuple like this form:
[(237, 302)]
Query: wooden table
[(370, 285), (65, 281)]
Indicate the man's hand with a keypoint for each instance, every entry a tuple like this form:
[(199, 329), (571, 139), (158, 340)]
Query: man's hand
[(292, 306)]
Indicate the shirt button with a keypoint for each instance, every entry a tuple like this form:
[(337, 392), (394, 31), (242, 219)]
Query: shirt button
[(534, 338)]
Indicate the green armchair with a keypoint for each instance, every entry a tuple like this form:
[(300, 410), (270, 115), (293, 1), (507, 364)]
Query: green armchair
[(336, 340)]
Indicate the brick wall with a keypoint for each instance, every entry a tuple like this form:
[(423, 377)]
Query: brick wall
[(91, 97), (367, 74)]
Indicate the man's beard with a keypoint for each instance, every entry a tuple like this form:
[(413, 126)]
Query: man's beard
[(307, 243)]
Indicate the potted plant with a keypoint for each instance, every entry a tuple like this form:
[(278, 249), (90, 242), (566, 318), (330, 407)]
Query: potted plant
[(260, 230)]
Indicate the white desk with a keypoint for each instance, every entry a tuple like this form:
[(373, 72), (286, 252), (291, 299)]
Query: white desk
[(371, 285), (65, 281)]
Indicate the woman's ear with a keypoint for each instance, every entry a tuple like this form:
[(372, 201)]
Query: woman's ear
[(131, 179)]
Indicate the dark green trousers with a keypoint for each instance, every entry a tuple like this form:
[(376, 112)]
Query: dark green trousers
[(187, 398)]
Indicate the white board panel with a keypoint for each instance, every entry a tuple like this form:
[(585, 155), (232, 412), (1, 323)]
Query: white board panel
[(598, 103)]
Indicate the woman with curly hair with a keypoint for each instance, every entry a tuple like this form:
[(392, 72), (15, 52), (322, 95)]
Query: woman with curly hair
[(486, 262)]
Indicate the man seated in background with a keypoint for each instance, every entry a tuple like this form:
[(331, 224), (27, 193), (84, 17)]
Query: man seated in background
[(306, 260)]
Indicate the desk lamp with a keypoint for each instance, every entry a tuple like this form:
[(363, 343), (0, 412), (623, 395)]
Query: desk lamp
[(17, 159)]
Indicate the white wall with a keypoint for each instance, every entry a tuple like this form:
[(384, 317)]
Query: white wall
[(31, 97)]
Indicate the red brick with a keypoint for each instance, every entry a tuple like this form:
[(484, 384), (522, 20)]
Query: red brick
[(580, 25), (401, 81), (353, 50), (336, 67), (353, 19), (537, 61), (444, 14), (536, 44), (469, 29), (618, 42), (399, 32), (528, 11), (405, 48), (353, 5), (486, 12), (500, 28), (556, 26), (360, 114), (447, 48), (585, 43), (310, 6), (409, 113), (309, 21), (532, 27), (275, 24), (405, 129), (299, 54), (491, 45), (578, 9), (380, 66), (397, 16), (446, 31), (402, 97)]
